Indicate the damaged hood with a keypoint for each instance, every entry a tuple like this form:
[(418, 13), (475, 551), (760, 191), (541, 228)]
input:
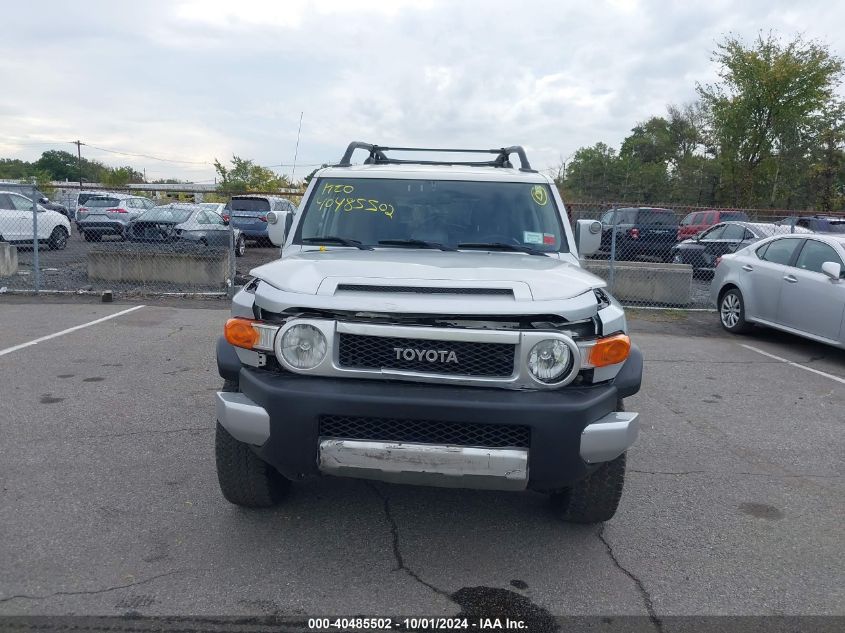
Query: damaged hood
[(331, 272)]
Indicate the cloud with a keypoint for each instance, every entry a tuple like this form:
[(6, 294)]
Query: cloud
[(195, 80)]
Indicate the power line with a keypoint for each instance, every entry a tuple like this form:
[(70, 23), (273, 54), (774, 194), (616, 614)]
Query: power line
[(158, 158)]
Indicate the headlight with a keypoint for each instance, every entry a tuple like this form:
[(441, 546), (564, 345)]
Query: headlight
[(549, 360), (303, 346)]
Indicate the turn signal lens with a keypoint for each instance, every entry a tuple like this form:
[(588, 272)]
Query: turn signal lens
[(240, 333), (610, 350)]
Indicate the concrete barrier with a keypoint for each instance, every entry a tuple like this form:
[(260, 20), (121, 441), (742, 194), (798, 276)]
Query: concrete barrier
[(8, 259), (185, 268), (646, 282)]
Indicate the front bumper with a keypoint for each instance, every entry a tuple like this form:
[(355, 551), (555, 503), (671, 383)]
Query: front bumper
[(571, 430)]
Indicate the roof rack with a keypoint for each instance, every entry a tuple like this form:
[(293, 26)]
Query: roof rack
[(377, 156)]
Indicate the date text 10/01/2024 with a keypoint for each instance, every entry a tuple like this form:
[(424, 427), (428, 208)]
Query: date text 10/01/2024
[(414, 624)]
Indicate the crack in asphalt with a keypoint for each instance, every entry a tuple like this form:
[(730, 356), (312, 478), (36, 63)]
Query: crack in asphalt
[(710, 472), (644, 594), (712, 362), (112, 435), (397, 552), (89, 592)]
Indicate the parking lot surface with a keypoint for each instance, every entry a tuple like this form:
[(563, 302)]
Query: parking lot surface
[(733, 503)]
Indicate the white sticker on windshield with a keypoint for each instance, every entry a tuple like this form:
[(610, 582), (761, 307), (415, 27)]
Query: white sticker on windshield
[(532, 238)]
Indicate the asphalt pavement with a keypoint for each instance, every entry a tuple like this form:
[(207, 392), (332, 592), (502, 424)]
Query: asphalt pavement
[(109, 504)]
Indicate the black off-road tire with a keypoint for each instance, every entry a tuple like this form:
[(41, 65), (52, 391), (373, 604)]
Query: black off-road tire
[(58, 239), (595, 498), (245, 479)]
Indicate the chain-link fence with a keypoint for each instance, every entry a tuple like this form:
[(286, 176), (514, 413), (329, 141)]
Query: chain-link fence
[(131, 242), (146, 242), (666, 256)]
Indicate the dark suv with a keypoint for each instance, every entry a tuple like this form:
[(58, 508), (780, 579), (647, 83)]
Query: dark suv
[(640, 231)]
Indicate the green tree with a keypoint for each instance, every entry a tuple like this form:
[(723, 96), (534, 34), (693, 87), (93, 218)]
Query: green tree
[(245, 175), (15, 169), (120, 176), (761, 112), (826, 177), (650, 142), (594, 173), (62, 165)]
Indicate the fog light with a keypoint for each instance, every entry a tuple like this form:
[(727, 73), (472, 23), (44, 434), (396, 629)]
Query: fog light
[(303, 346), (549, 360)]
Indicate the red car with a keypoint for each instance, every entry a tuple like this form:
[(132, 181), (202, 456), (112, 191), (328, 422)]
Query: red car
[(697, 221)]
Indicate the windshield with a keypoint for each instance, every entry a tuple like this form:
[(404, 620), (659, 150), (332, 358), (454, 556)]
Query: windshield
[(166, 214), (102, 202), (447, 212), (248, 204), (739, 216)]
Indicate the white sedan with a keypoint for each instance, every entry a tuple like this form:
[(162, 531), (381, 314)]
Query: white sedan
[(16, 222), (794, 283)]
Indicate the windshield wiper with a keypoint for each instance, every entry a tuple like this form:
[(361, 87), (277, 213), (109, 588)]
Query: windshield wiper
[(502, 246), (343, 241), (420, 243)]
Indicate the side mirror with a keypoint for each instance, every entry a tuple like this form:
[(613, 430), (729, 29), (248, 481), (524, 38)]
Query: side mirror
[(276, 227), (225, 221), (588, 236), (832, 270)]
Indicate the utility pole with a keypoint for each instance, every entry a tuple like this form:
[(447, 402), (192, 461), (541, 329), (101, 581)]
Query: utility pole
[(296, 151), (79, 144)]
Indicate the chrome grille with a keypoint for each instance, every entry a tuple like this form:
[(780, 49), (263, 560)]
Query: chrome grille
[(424, 431), (458, 358)]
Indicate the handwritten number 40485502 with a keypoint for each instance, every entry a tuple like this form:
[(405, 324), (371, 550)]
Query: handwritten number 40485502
[(356, 204)]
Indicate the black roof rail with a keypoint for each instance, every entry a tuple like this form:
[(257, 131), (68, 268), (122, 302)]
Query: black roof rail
[(378, 157)]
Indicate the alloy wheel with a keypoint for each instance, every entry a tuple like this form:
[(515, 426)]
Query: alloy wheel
[(730, 310)]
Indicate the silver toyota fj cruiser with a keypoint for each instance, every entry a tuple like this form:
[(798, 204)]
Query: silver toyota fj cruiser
[(428, 322)]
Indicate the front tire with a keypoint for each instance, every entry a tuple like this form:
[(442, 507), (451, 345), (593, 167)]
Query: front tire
[(245, 479), (732, 312), (595, 498), (58, 239)]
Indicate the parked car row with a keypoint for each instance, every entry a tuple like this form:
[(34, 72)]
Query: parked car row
[(137, 219), (702, 251), (634, 232)]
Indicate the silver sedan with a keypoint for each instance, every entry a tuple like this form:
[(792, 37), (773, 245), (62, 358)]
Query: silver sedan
[(794, 283)]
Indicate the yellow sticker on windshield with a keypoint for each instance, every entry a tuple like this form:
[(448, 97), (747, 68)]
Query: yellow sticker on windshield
[(538, 193)]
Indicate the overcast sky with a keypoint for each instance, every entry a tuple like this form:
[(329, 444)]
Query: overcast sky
[(192, 80)]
